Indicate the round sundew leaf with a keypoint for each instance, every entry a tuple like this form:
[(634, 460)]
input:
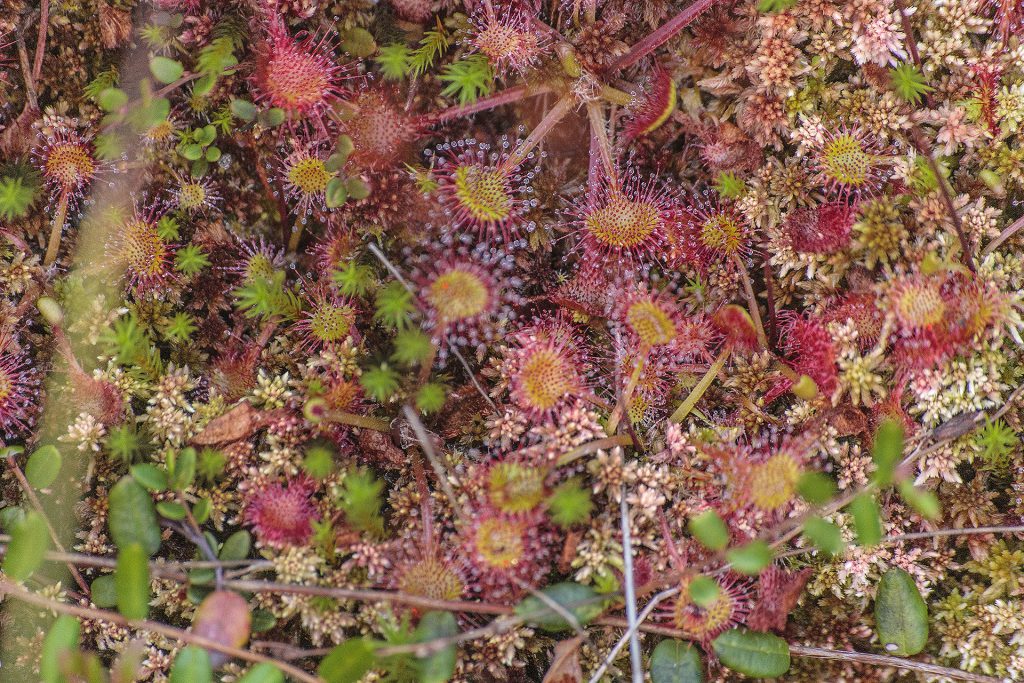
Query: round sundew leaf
[(132, 517), (43, 466), (755, 654), (165, 69), (901, 615), (676, 661), (30, 540), (62, 637), (131, 582)]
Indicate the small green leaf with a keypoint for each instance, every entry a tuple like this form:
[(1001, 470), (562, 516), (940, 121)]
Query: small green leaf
[(171, 510), (165, 69), (43, 466), (184, 471), (150, 476), (201, 510), (30, 540), (925, 503), (901, 616), (348, 662), (887, 450), (103, 591), (263, 673), (336, 193), (244, 109), (192, 152), (750, 559), (358, 42), (131, 580), (676, 661), (710, 530), (438, 667), (192, 665), (236, 547), (112, 99), (825, 535), (132, 516), (867, 519), (703, 590), (758, 655), (62, 637), (581, 601), (213, 154), (816, 488), (272, 118)]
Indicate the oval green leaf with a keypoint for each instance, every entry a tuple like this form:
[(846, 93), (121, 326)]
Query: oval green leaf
[(131, 581), (710, 530), (43, 466), (30, 540), (165, 69), (152, 477), (348, 662), (192, 665), (438, 667), (236, 547), (825, 535), (62, 637), (750, 559), (676, 661), (171, 510), (755, 654), (901, 616), (112, 99), (583, 602), (103, 591), (867, 519), (132, 517), (263, 673)]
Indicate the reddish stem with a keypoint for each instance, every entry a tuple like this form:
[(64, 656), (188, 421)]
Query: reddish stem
[(663, 34), (483, 104), (44, 20)]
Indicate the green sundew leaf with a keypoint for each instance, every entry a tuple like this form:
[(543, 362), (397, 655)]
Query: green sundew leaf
[(887, 450), (710, 530), (412, 347), (171, 510), (570, 504), (925, 503), (236, 547), (750, 559), (430, 398), (825, 535), (901, 615), (63, 637), (867, 519), (132, 516), (165, 69), (43, 466), (150, 476), (336, 193), (103, 592), (348, 662), (676, 661), (244, 109), (758, 655), (131, 581), (578, 600), (263, 672), (395, 61), (192, 665), (30, 540), (112, 99), (816, 488), (438, 667)]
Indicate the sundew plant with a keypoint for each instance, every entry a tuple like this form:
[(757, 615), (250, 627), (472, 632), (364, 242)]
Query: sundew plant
[(554, 341)]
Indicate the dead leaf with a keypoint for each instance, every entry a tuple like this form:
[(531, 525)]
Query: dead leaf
[(223, 617), (565, 666), (238, 423)]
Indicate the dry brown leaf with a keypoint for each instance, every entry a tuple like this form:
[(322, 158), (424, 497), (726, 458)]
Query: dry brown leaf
[(238, 423), (565, 666)]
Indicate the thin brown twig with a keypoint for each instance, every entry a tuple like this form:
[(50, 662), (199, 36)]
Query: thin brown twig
[(19, 593), (44, 21)]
